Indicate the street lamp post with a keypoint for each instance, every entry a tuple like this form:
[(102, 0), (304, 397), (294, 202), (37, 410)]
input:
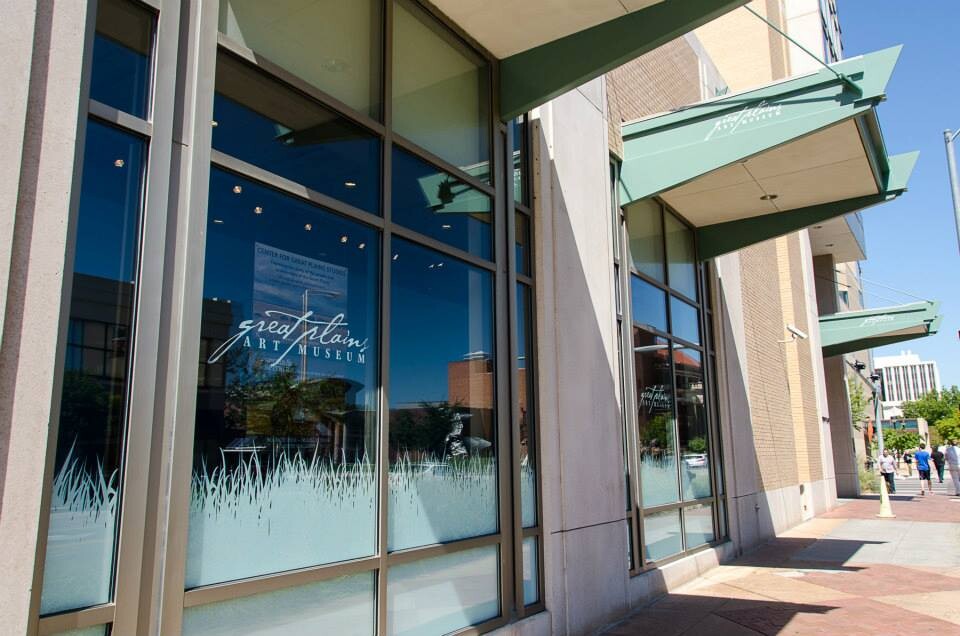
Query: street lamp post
[(948, 137), (886, 511)]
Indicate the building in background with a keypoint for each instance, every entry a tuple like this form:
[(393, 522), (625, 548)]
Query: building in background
[(906, 378), (389, 317)]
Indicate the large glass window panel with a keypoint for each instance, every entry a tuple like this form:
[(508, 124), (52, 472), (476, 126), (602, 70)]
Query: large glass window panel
[(661, 534), (526, 388), (681, 257), (645, 231), (285, 446), (441, 91), (263, 122), (443, 483), (522, 243), (684, 320), (655, 423), (443, 594), (84, 502), (648, 304), (120, 75), (531, 571), (519, 129), (692, 428), (698, 525), (342, 606), (330, 44), (441, 206)]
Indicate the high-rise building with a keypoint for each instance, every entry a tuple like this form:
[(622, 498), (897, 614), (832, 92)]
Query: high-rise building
[(905, 378)]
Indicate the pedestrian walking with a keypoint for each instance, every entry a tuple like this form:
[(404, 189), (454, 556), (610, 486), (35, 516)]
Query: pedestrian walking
[(938, 460), (923, 468), (888, 468), (952, 455)]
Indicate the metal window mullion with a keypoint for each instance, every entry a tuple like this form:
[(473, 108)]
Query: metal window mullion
[(386, 261), (502, 387), (518, 604), (171, 469), (146, 326), (87, 617), (121, 119)]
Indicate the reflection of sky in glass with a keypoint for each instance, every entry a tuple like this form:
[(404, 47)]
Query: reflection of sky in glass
[(120, 76), (648, 304), (442, 310), (440, 206), (684, 321)]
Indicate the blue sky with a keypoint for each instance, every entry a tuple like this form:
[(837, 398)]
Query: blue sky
[(912, 242)]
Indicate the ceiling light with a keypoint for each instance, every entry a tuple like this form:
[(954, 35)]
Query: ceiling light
[(237, 189), (769, 197), (431, 265), (361, 246), (308, 226), (213, 123), (119, 163), (344, 239), (396, 256), (218, 221), (258, 210), (350, 184), (829, 244), (446, 226)]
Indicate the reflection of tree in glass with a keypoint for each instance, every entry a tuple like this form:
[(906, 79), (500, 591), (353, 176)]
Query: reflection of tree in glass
[(656, 436), (426, 434), (697, 445), (90, 419)]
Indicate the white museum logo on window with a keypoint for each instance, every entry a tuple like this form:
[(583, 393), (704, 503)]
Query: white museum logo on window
[(299, 309), (655, 398)]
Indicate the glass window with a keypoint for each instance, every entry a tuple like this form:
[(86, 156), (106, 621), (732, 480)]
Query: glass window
[(441, 206), (263, 122), (519, 131), (99, 630), (645, 229), (339, 606), (655, 435), (661, 534), (285, 449), (698, 525), (681, 257), (531, 579), (692, 423), (443, 482), (441, 91), (332, 45), (443, 594), (648, 304), (684, 320), (525, 386), (121, 56), (84, 504), (522, 246)]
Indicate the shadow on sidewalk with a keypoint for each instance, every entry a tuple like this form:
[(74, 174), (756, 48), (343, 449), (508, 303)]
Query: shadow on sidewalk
[(781, 552)]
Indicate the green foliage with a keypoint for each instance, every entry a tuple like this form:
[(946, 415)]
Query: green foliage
[(949, 428), (900, 440), (697, 445), (424, 430), (868, 480), (933, 407), (858, 402)]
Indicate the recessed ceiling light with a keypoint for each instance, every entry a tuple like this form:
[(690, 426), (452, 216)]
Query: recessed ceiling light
[(344, 239), (218, 221), (396, 256), (308, 226), (361, 246), (769, 197), (350, 184), (446, 226), (258, 210), (237, 189), (213, 123), (119, 163), (829, 244)]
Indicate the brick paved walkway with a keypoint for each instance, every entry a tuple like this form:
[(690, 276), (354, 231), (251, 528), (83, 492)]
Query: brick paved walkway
[(844, 573)]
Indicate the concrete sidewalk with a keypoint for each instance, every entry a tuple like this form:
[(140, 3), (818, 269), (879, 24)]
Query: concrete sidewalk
[(845, 572)]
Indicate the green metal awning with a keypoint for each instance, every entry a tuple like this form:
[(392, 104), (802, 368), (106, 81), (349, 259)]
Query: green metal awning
[(858, 330), (535, 76), (755, 165)]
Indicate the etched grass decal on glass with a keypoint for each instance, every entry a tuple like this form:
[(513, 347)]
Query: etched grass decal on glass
[(248, 520), (83, 512)]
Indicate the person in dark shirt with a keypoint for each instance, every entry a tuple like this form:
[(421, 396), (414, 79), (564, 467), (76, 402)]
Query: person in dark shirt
[(938, 462), (922, 458)]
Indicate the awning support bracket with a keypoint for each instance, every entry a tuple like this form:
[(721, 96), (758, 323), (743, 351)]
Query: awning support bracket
[(840, 76)]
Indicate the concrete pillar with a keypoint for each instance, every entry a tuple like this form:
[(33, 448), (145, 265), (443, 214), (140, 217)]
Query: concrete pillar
[(41, 61)]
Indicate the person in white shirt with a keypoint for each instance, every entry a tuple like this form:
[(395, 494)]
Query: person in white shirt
[(888, 466), (952, 455)]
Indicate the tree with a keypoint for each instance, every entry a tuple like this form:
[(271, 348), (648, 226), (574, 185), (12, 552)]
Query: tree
[(933, 407), (949, 428), (901, 440), (858, 402)]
